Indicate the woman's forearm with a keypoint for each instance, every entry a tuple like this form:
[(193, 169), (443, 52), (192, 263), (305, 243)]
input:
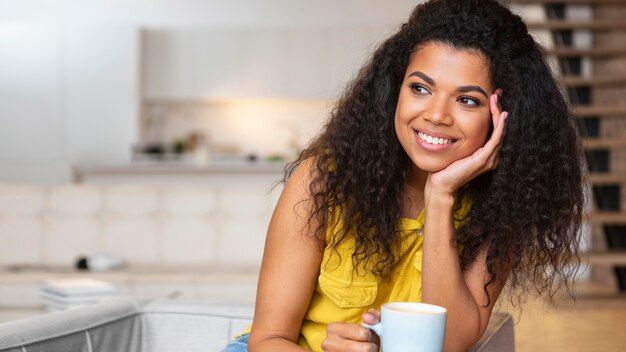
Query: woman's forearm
[(442, 279)]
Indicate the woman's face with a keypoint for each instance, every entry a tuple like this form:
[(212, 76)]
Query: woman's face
[(443, 112)]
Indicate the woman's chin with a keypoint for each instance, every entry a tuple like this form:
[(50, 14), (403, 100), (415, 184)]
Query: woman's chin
[(431, 166)]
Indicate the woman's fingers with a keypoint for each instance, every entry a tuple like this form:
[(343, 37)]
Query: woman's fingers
[(487, 155), (337, 345), (496, 137), (359, 347), (486, 158), (349, 337), (372, 316), (349, 331), (494, 106), (482, 160), (334, 343)]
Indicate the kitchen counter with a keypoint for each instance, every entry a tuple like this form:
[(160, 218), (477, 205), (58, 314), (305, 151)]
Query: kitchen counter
[(174, 172), (19, 290), (134, 273)]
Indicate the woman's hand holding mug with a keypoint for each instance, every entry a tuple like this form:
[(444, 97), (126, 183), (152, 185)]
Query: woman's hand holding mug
[(353, 337)]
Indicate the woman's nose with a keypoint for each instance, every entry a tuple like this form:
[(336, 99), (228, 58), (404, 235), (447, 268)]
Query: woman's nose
[(438, 112)]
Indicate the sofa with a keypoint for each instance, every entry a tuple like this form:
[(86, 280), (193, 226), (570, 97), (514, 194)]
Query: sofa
[(163, 325), (185, 238)]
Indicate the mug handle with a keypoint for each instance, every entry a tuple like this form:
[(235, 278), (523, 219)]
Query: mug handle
[(377, 328)]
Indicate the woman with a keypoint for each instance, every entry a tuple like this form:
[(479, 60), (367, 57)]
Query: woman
[(450, 166)]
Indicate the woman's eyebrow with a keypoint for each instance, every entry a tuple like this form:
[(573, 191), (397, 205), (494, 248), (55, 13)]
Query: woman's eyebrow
[(466, 89), (423, 76), (463, 89)]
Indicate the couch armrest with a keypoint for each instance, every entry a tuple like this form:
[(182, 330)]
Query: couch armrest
[(164, 325), (499, 336), (70, 330)]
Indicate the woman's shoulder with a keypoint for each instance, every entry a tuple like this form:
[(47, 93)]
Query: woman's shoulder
[(302, 174)]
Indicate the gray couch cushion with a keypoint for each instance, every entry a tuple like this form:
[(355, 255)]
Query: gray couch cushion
[(192, 326), (499, 335), (125, 333)]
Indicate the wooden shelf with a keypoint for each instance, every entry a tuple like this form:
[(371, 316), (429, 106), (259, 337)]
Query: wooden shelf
[(593, 294), (607, 217), (604, 143), (597, 53), (605, 111), (575, 81), (606, 178), (595, 25), (615, 301), (609, 258)]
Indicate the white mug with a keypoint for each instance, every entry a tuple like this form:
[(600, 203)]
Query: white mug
[(411, 327)]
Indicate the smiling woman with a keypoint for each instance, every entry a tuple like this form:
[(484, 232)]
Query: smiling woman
[(443, 174), (443, 111)]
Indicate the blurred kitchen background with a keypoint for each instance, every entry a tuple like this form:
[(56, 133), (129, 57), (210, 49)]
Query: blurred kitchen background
[(115, 83), (154, 131)]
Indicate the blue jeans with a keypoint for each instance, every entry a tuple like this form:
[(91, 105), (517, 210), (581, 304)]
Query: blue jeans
[(239, 344)]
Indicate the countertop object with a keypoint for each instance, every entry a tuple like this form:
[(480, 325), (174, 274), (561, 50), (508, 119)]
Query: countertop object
[(272, 170)]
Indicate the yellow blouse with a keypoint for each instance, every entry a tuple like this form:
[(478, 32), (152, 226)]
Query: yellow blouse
[(341, 295)]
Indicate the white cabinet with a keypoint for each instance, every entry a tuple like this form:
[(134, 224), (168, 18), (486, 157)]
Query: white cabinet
[(184, 64), (227, 63), (216, 62), (347, 49), (101, 95), (29, 90), (304, 69), (31, 132), (68, 95), (167, 62), (263, 63)]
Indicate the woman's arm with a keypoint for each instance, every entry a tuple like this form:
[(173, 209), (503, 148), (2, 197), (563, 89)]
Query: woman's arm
[(289, 270), (443, 282)]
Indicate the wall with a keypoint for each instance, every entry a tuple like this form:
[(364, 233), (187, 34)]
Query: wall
[(168, 13), (263, 90), (70, 81), (69, 95)]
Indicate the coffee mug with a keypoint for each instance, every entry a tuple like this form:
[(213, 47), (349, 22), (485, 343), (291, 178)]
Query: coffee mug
[(411, 327)]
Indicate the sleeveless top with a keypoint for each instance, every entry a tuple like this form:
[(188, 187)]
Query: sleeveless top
[(343, 295)]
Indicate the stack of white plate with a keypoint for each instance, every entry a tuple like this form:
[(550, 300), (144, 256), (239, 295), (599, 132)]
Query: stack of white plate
[(58, 295)]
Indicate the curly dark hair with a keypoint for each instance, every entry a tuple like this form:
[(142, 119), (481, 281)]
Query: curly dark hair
[(528, 210)]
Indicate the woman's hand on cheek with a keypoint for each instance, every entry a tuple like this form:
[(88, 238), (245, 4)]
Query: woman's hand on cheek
[(352, 337), (450, 179)]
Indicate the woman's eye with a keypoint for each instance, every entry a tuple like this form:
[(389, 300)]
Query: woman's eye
[(468, 101), (416, 88)]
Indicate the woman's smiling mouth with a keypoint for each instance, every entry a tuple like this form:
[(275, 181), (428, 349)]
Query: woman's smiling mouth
[(433, 141)]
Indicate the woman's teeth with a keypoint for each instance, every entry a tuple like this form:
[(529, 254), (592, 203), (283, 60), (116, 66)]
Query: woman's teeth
[(433, 140)]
